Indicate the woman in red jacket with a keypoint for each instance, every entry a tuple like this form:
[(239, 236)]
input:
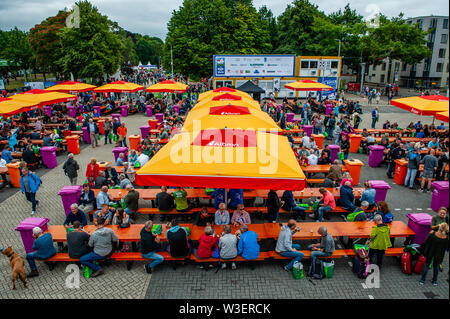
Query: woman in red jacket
[(206, 244), (92, 172)]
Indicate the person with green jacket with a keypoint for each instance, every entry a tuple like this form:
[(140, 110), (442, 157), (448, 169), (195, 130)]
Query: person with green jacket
[(131, 201), (380, 240)]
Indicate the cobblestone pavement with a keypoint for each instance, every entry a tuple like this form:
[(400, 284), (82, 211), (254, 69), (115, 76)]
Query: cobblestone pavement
[(268, 280)]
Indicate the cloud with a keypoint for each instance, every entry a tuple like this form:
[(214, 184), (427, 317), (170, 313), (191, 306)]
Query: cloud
[(151, 16)]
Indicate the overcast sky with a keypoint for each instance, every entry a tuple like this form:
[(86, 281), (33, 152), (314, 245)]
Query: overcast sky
[(151, 16)]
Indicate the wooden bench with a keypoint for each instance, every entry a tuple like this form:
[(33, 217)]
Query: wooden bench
[(315, 180), (262, 256), (338, 253)]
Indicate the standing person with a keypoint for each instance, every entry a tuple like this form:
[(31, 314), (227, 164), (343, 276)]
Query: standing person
[(434, 251), (345, 146), (430, 165), (413, 158), (115, 127), (285, 247), (29, 185), (101, 241), (71, 168), (331, 126), (93, 132), (273, 205), (107, 128), (92, 172), (148, 245), (380, 240), (375, 116), (122, 133)]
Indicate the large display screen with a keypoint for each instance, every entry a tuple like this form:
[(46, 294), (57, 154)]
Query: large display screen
[(254, 65)]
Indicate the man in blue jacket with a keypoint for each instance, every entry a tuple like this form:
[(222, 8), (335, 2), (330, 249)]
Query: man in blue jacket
[(413, 158), (347, 198), (86, 201), (248, 246), (29, 184), (6, 154), (43, 249)]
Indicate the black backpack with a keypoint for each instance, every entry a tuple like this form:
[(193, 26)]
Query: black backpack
[(318, 270)]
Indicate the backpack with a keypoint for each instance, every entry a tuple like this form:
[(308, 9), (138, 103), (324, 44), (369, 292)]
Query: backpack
[(351, 217), (318, 270), (360, 268)]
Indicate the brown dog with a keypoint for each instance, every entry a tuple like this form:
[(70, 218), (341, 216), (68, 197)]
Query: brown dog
[(17, 266)]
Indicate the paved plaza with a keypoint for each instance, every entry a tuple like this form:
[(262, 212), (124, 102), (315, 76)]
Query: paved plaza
[(267, 280)]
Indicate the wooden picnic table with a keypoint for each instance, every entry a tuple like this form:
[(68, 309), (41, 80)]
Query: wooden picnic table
[(16, 154), (319, 168), (339, 229), (293, 131), (392, 131), (4, 170), (404, 139), (120, 169)]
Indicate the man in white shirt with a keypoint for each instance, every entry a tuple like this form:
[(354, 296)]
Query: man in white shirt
[(305, 140), (312, 159), (143, 159)]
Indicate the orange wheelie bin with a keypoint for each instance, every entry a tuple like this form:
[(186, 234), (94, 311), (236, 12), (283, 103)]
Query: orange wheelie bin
[(73, 144), (134, 141), (100, 126), (153, 124), (14, 173), (401, 169), (355, 141), (354, 168), (318, 138)]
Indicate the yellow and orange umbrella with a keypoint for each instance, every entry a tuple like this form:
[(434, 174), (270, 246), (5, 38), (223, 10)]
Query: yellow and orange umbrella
[(43, 97), (423, 105), (223, 90), (71, 87), (9, 106), (227, 97), (237, 103), (168, 86), (225, 159), (308, 85), (231, 117), (119, 87)]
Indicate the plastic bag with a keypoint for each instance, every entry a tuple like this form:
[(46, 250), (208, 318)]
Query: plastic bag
[(157, 229), (328, 269), (297, 270)]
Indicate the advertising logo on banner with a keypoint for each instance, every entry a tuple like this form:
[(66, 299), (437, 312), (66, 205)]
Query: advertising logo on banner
[(35, 85), (276, 84), (331, 82), (254, 65)]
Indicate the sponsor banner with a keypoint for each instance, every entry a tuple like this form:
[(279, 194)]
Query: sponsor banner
[(226, 138), (229, 110), (330, 82), (254, 66), (35, 85)]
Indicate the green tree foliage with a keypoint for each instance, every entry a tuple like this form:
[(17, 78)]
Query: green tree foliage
[(201, 28), (295, 27), (91, 50), (149, 49), (14, 46), (46, 44), (270, 22)]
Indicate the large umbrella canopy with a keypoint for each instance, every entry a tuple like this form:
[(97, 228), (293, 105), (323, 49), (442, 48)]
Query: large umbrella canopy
[(43, 97), (224, 159), (71, 87), (442, 116), (230, 116), (168, 86), (119, 87), (308, 85), (230, 97), (250, 87), (423, 105), (9, 106), (221, 91), (240, 103)]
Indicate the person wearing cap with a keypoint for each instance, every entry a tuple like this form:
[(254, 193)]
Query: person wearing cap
[(131, 201), (70, 168), (42, 249)]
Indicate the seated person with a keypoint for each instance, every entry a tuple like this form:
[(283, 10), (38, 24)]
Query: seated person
[(121, 160), (248, 246), (228, 247), (101, 180), (347, 177), (101, 241), (204, 218), (240, 216), (149, 244), (359, 215), (347, 198), (29, 157), (47, 140), (42, 249), (285, 247), (123, 181), (75, 214), (132, 157), (86, 201), (236, 197), (111, 175), (103, 197), (368, 195), (290, 205), (104, 213), (121, 217), (206, 244), (219, 197), (177, 237), (222, 216), (324, 159), (181, 203), (324, 249), (77, 241), (164, 202)]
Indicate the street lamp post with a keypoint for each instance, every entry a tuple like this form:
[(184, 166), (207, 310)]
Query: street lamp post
[(339, 68)]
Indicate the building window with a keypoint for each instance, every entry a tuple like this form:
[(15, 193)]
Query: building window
[(305, 65), (382, 78), (444, 38), (439, 67), (313, 64), (404, 66), (334, 64), (383, 68), (442, 53), (397, 66), (374, 67), (445, 26)]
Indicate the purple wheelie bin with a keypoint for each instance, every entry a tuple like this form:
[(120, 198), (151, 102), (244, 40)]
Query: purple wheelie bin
[(159, 117), (144, 131), (69, 195), (376, 155), (440, 195), (86, 135), (124, 110), (290, 117), (148, 110), (26, 230), (381, 188), (420, 223), (48, 154), (116, 116), (118, 150), (72, 111), (308, 129), (334, 151)]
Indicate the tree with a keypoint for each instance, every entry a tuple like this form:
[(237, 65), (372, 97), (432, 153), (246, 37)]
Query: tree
[(270, 22), (149, 49), (14, 47), (46, 44), (91, 50), (294, 26), (201, 28)]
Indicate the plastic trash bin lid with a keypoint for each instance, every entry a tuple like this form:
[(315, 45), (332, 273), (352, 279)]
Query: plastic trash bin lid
[(443, 185), (69, 190), (31, 222), (379, 184), (376, 147), (48, 148), (420, 218)]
